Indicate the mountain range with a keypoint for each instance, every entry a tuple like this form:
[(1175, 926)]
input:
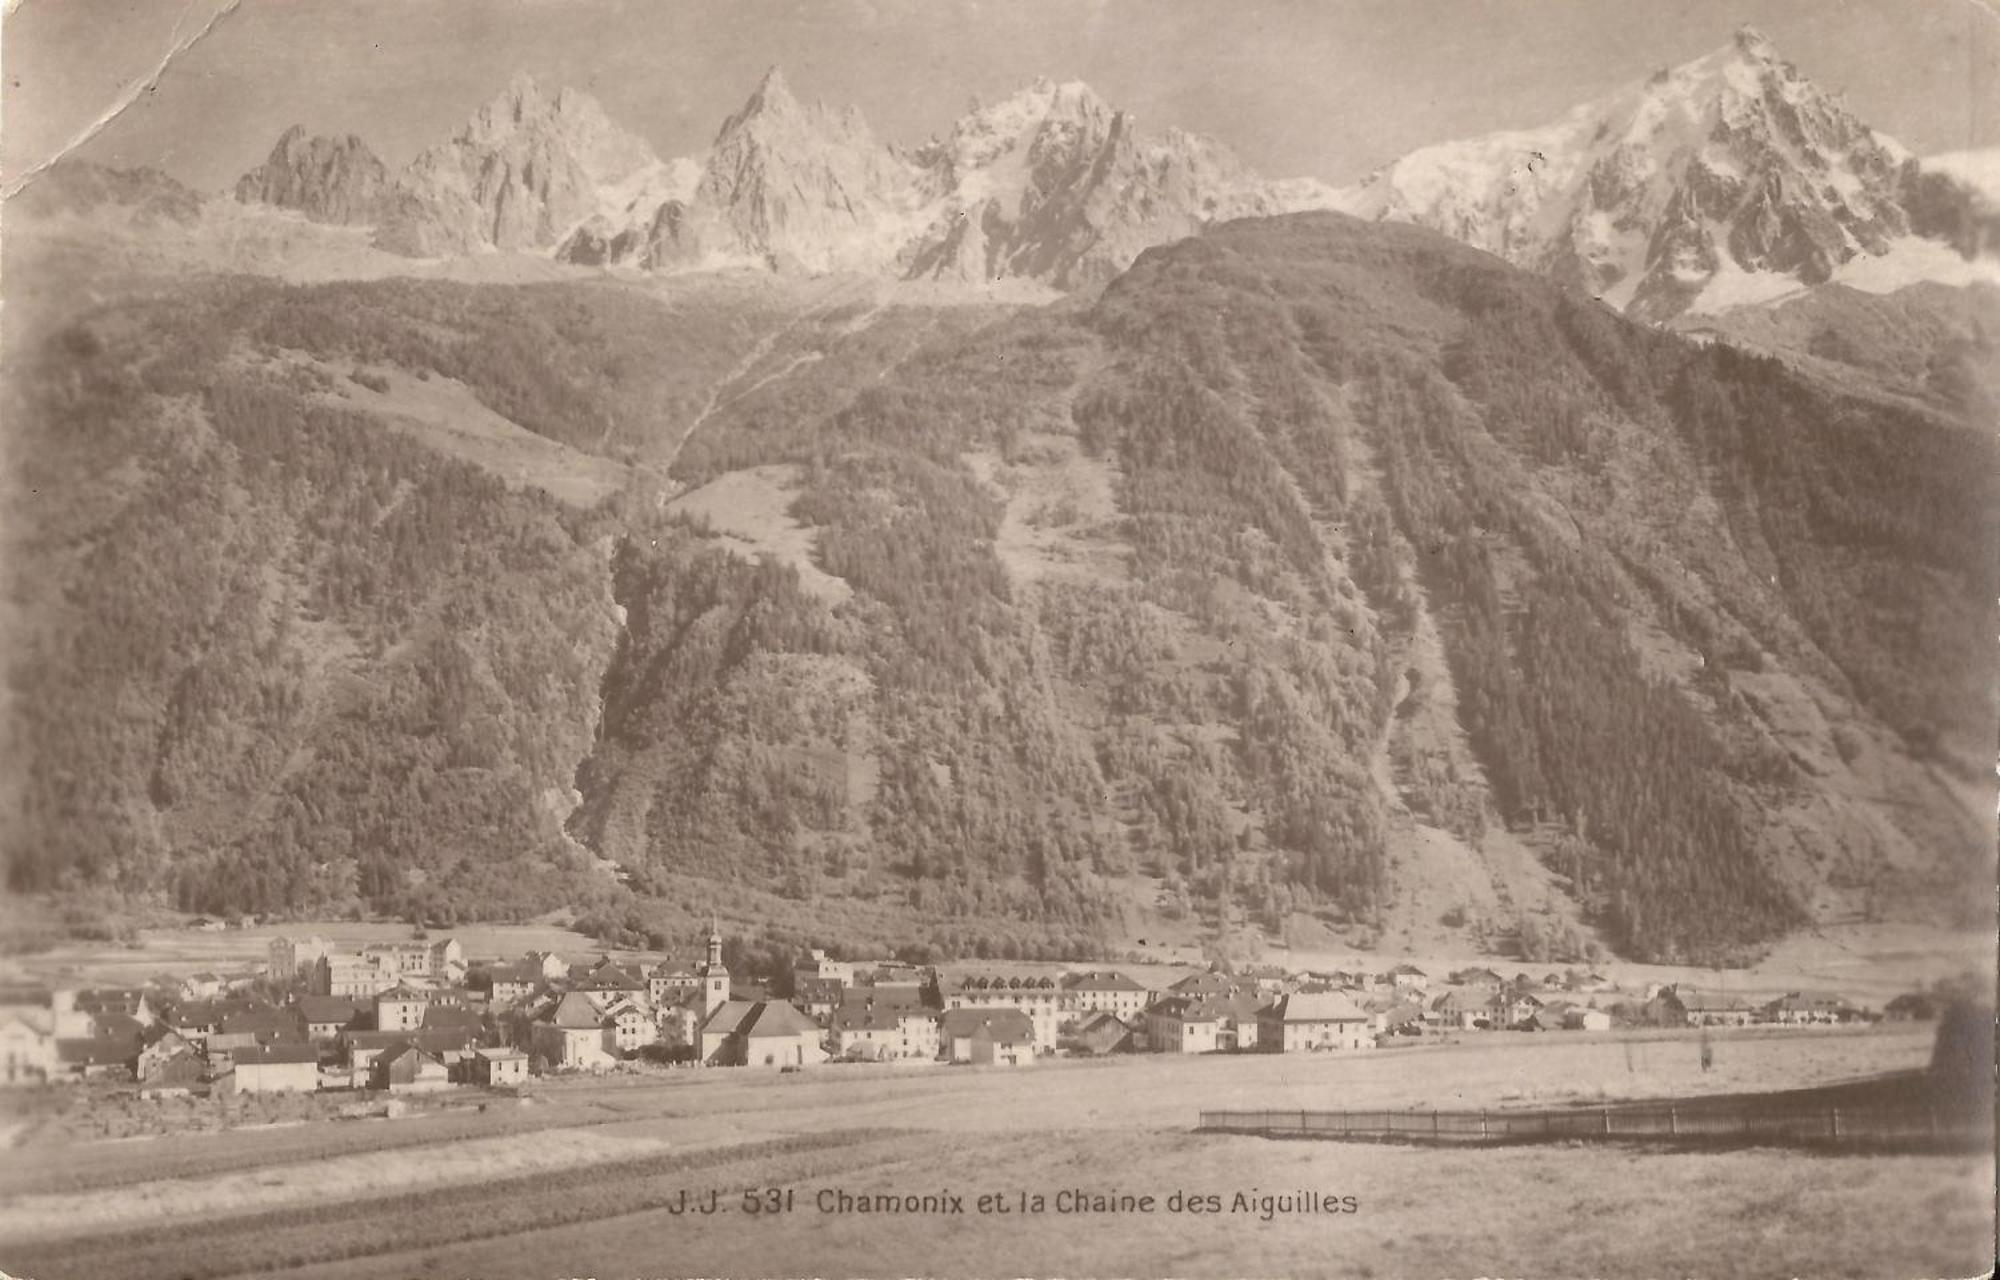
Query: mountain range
[(1726, 180), (1294, 579), (1051, 184)]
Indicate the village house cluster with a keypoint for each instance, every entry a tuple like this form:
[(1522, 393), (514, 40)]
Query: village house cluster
[(418, 1016)]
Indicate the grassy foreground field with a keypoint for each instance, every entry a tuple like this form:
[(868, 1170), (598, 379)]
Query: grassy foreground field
[(586, 1183)]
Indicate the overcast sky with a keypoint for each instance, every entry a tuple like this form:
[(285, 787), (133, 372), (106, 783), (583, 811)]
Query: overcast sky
[(1326, 88)]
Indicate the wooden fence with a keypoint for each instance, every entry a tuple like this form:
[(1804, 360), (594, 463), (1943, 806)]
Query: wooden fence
[(1695, 1124)]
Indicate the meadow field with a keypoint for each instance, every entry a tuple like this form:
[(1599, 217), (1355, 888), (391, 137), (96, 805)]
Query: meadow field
[(586, 1179)]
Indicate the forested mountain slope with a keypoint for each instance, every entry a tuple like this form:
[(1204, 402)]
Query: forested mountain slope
[(1318, 572)]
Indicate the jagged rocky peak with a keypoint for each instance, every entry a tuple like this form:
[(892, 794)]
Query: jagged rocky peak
[(328, 179), (1042, 110), (794, 187), (1054, 183), (525, 172), (772, 96), (1720, 180)]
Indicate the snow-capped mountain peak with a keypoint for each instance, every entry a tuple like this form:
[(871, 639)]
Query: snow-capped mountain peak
[(1668, 194)]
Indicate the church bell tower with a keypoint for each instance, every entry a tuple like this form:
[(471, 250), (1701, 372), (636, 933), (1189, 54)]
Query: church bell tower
[(714, 977)]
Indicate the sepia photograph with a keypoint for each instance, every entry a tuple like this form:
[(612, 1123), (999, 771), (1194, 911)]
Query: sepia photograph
[(651, 639)]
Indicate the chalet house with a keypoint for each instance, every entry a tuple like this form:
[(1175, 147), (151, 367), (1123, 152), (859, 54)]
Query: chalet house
[(1104, 1033), (988, 1037), (363, 1047), (158, 1044), (27, 1046), (819, 967), (1239, 1025), (819, 997), (667, 983), (1519, 1009), (404, 1068), (1407, 977), (286, 958), (1105, 992), (571, 1036), (196, 1020), (878, 1030), (611, 983), (95, 1057), (251, 1028), (499, 1068), (351, 976), (401, 1008), (177, 1077), (1807, 1008), (325, 1017), (1183, 1024), (447, 961), (509, 984), (1197, 985), (75, 1012), (1465, 1008), (1708, 1009), (551, 966), (100, 1002), (1479, 978), (760, 1033), (404, 959), (275, 1068), (200, 986), (629, 1027), (1040, 998), (1330, 1021)]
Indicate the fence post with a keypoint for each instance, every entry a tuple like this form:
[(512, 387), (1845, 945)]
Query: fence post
[(1482, 1122), (1835, 1114), (1674, 1122), (1606, 1114)]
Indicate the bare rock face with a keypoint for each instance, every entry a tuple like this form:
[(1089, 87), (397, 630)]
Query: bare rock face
[(526, 172), (792, 186), (1054, 184), (1669, 194), (1051, 184), (336, 180)]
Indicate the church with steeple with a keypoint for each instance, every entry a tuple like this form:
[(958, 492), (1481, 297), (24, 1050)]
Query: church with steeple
[(744, 1033)]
